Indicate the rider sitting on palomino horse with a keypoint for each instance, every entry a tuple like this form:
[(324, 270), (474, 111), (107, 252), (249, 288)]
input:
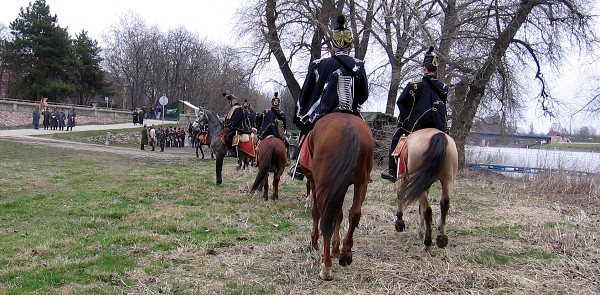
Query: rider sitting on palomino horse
[(333, 84), (422, 105), (235, 123), (272, 122)]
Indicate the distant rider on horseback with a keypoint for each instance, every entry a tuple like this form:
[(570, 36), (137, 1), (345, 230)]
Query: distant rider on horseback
[(273, 122), (334, 84), (422, 105), (236, 122)]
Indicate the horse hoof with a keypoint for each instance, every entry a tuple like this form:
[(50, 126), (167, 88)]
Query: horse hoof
[(325, 273), (400, 227), (442, 241), (346, 259), (427, 242)]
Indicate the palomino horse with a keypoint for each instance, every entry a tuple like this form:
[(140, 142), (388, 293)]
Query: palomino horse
[(272, 157), (341, 148), (430, 155), (206, 117)]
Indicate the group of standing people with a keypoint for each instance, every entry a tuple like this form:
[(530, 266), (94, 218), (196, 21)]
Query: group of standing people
[(55, 119), (144, 113), (165, 136)]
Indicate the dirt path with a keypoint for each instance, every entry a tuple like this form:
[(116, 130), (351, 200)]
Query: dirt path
[(28, 136)]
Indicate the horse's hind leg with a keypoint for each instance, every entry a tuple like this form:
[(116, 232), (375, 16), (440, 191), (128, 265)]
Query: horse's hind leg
[(316, 216), (360, 191), (399, 224), (425, 220), (442, 239), (276, 178), (266, 187), (335, 242)]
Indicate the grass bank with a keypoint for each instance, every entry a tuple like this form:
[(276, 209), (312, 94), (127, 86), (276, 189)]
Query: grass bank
[(84, 223)]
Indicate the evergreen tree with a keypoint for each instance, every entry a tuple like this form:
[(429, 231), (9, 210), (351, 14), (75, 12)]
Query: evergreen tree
[(90, 78), (40, 55)]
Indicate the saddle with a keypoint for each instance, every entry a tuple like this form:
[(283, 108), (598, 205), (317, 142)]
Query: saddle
[(244, 146), (398, 153)]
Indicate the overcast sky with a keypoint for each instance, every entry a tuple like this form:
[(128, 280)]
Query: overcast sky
[(210, 18), (214, 19)]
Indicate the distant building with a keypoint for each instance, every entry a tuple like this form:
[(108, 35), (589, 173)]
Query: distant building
[(555, 136)]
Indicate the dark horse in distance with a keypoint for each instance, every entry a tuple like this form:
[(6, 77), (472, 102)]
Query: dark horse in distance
[(430, 155), (341, 149), (200, 138), (206, 117), (272, 157)]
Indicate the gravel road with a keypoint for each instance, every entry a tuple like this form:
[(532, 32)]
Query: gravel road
[(170, 155)]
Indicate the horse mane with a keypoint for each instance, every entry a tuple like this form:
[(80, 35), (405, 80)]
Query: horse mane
[(213, 119)]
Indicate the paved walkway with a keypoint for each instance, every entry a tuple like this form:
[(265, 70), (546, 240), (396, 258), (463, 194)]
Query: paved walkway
[(41, 131), (29, 135)]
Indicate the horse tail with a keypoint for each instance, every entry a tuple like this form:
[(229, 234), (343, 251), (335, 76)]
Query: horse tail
[(338, 178), (264, 164), (431, 165)]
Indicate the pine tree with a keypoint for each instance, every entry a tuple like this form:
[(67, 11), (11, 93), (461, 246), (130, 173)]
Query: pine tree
[(40, 55), (90, 80)]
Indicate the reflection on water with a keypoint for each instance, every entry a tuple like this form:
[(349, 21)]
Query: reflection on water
[(534, 158)]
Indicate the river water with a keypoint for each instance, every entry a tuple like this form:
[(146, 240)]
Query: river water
[(534, 158)]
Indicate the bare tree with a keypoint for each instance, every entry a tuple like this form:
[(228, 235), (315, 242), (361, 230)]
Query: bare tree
[(148, 64), (492, 38)]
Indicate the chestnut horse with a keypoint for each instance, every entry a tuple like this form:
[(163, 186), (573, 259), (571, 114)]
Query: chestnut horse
[(430, 155), (272, 157), (341, 147)]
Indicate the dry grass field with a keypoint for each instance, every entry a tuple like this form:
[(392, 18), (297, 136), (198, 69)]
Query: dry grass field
[(76, 222)]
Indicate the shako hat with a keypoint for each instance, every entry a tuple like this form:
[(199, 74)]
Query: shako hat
[(342, 37), (430, 59), (276, 101), (229, 97)]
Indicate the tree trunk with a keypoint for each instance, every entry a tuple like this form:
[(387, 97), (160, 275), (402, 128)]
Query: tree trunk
[(465, 109), (275, 47)]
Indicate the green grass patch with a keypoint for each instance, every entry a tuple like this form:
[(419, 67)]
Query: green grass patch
[(488, 256)]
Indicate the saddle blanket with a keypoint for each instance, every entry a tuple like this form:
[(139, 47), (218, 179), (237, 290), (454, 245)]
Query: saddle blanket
[(203, 138), (305, 155), (398, 153), (246, 147)]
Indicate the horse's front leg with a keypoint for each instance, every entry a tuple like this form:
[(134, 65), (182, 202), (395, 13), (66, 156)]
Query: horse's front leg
[(219, 167), (400, 225), (199, 147)]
